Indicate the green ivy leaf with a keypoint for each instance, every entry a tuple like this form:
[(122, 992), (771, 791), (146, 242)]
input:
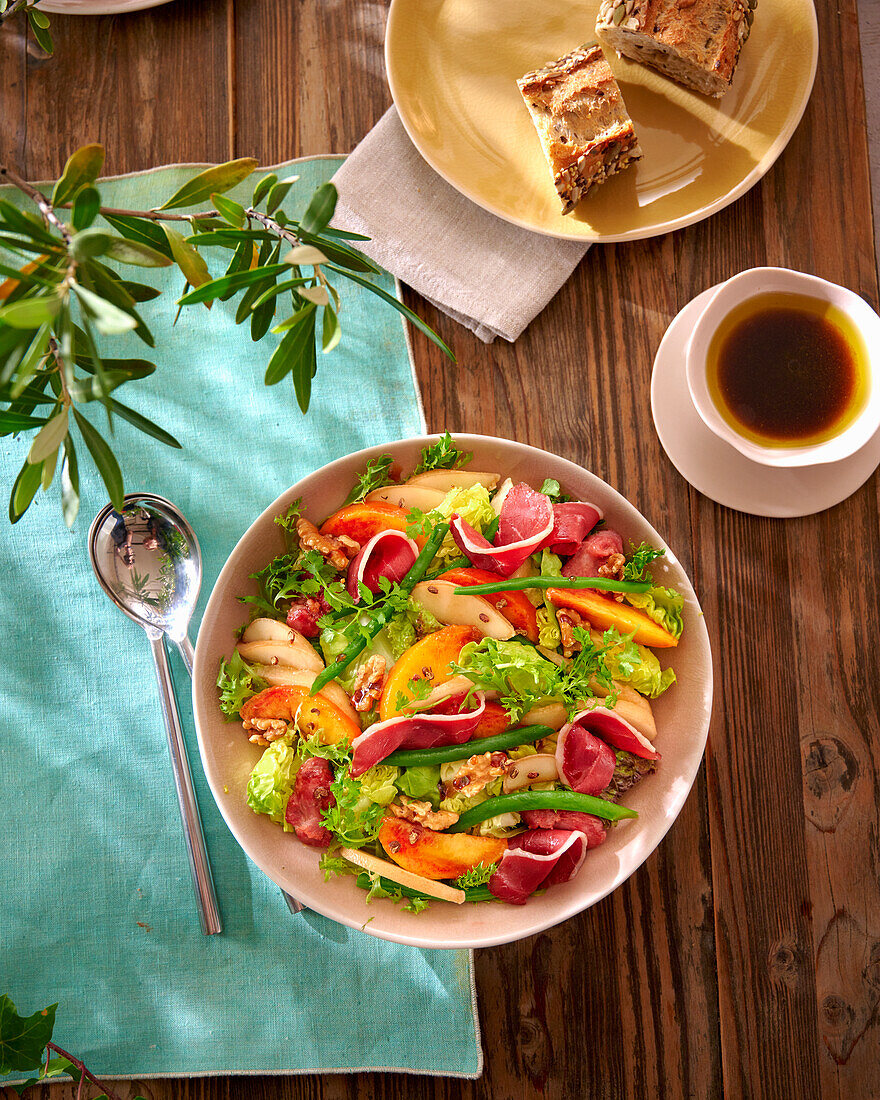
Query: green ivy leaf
[(109, 319), (219, 178), (86, 205), (320, 209), (31, 312), (83, 167), (23, 1038), (104, 459)]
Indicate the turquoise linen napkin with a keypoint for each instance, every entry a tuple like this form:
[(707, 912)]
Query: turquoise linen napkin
[(97, 908)]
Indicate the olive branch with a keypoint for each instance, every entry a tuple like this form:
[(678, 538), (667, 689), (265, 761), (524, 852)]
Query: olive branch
[(66, 295), (38, 20)]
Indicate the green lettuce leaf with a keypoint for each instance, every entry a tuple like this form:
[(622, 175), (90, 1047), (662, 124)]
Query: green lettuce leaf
[(377, 784), (500, 825), (236, 683), (442, 455), (549, 634), (636, 665), (518, 672), (421, 783), (664, 605), (271, 781)]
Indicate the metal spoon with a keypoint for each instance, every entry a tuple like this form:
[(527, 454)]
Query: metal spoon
[(148, 561)]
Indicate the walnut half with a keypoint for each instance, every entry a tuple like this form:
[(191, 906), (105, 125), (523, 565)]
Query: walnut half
[(338, 550)]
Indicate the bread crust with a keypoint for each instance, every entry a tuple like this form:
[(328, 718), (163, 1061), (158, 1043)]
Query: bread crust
[(581, 119), (695, 42)]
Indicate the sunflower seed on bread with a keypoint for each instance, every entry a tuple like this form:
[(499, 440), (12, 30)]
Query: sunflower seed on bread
[(696, 42), (581, 119)]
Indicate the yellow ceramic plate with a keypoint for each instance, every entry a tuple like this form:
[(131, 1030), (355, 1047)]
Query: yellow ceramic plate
[(453, 66)]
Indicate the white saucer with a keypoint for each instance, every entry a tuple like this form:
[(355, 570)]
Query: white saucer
[(720, 472)]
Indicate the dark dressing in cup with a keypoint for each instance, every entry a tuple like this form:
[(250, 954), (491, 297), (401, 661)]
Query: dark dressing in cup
[(787, 370)]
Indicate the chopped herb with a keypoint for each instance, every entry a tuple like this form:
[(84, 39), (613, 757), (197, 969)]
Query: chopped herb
[(476, 876), (237, 682), (443, 455), (636, 568), (375, 476), (332, 864), (354, 820), (552, 489)]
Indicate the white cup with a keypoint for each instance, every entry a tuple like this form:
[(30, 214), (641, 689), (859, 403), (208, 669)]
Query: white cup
[(764, 280)]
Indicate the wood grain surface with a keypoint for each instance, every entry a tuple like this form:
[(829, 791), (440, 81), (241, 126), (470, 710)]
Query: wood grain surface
[(743, 959)]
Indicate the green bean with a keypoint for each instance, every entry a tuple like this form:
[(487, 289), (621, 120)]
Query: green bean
[(515, 584), (540, 800), (472, 893), (442, 754), (372, 628)]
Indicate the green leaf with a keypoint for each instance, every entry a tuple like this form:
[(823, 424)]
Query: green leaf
[(137, 253), (85, 207), (22, 221), (344, 235), (96, 388), (104, 459), (280, 288), (105, 282), (89, 243), (342, 254), (141, 230), (230, 238), (219, 178), (31, 312), (44, 39), (262, 316), (11, 422), (23, 492), (292, 322), (49, 437), (331, 330), (225, 283), (49, 464), (69, 483), (23, 1038), (231, 210), (304, 363), (264, 187), (278, 193), (190, 262), (83, 167), (40, 17), (143, 424), (290, 351), (399, 306), (140, 292), (109, 319), (320, 209), (305, 254), (30, 361)]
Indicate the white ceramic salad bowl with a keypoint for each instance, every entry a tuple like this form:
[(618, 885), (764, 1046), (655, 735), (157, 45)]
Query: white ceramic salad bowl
[(682, 716)]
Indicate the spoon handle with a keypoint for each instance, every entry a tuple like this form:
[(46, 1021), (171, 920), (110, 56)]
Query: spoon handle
[(189, 809)]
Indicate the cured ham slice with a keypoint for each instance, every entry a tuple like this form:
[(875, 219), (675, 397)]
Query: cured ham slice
[(583, 761), (612, 729), (413, 731), (388, 554), (593, 828), (311, 796), (524, 525), (540, 857), (593, 553), (572, 522)]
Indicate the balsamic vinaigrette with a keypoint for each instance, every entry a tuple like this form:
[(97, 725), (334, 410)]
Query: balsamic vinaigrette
[(787, 370)]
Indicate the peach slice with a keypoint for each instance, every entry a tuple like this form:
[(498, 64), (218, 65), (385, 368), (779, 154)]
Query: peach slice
[(309, 713), (437, 855), (429, 659), (361, 521), (603, 612)]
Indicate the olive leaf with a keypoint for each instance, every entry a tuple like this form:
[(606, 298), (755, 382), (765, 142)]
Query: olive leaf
[(231, 210), (83, 167), (104, 459), (219, 178), (49, 437), (188, 259), (30, 312), (109, 319), (320, 209)]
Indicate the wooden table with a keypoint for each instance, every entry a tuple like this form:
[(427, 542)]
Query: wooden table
[(743, 959)]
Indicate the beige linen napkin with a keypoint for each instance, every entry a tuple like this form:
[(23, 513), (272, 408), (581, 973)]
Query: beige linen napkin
[(489, 275)]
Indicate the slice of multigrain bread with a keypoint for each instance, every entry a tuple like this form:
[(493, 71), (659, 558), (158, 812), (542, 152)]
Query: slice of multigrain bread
[(581, 119), (696, 42)]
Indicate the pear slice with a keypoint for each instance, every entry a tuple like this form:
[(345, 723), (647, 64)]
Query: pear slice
[(440, 599), (297, 653), (445, 480), (268, 630), (405, 878), (409, 497), (285, 676)]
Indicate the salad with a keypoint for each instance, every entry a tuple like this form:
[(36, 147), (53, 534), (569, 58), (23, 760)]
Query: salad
[(450, 679)]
